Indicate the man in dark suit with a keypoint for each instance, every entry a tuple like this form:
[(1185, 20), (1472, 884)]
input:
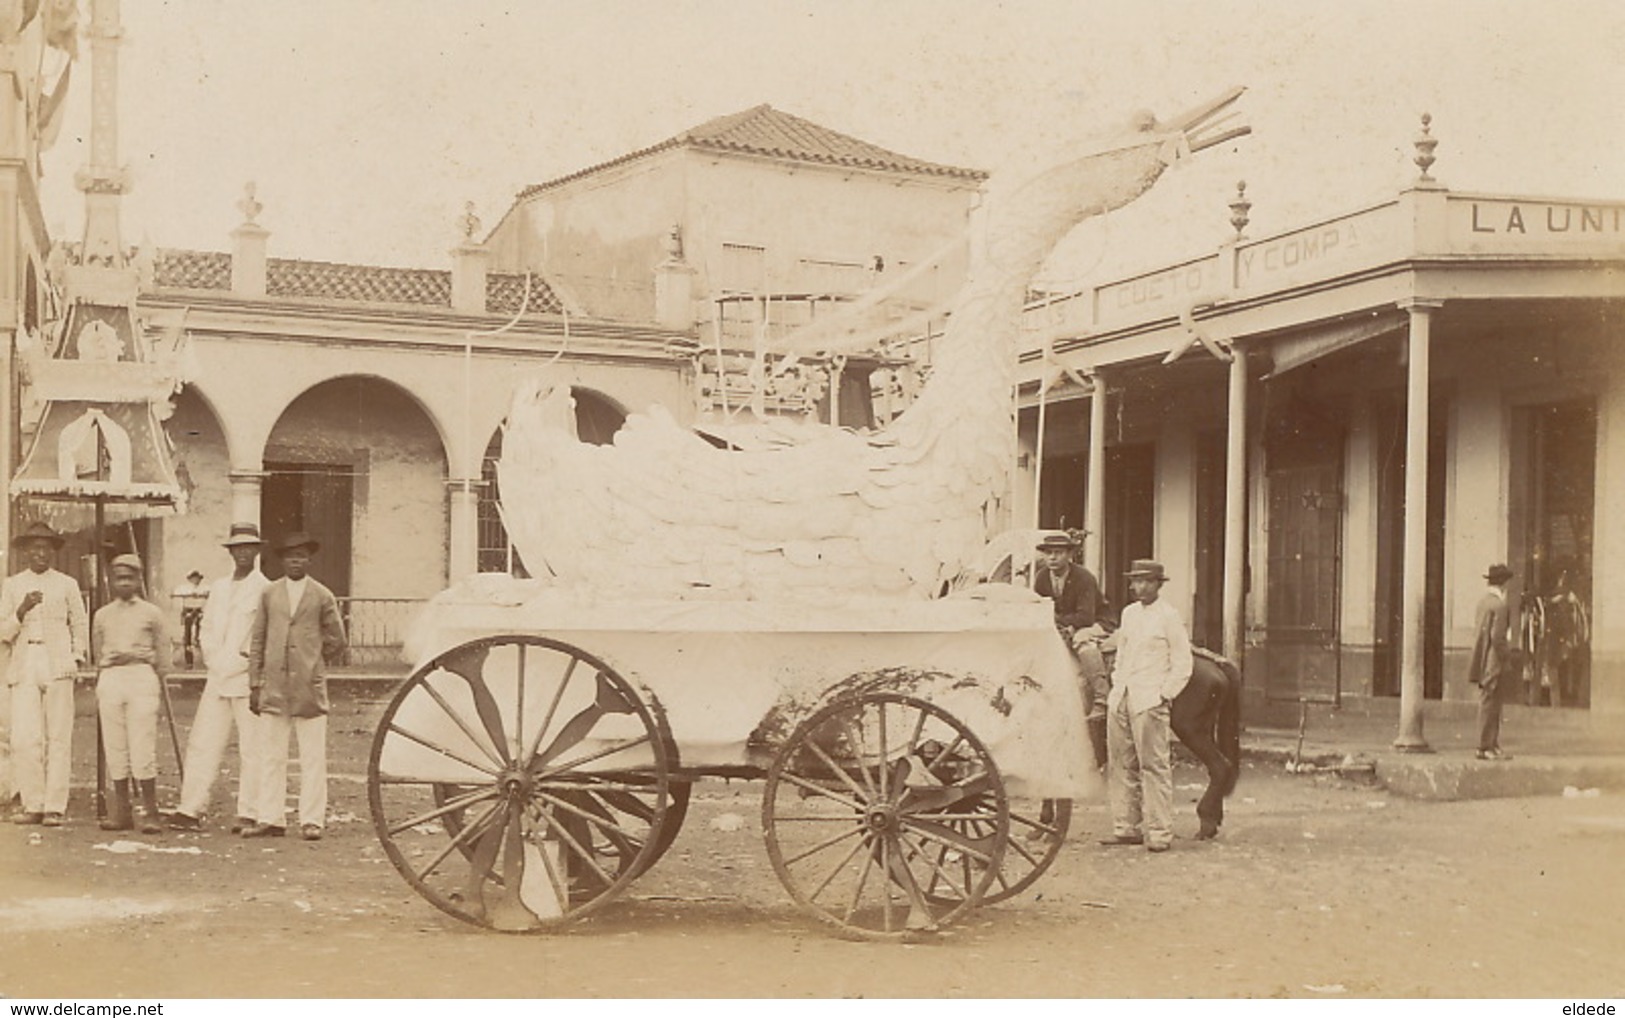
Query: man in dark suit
[(1491, 664), (297, 631), (1080, 615)]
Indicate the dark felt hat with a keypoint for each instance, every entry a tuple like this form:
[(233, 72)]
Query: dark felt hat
[(298, 539), (39, 530), (1499, 573), (1056, 541)]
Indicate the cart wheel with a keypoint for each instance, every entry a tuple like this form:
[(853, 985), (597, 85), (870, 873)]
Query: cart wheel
[(1036, 833), (516, 782), (885, 816)]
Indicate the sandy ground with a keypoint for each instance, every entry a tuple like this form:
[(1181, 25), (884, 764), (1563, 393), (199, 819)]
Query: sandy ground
[(1317, 889)]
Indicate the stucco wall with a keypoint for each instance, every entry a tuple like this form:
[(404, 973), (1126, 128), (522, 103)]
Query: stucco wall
[(601, 237), (398, 519)]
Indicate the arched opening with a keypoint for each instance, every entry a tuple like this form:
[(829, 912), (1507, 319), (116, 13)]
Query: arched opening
[(597, 421), (357, 463)]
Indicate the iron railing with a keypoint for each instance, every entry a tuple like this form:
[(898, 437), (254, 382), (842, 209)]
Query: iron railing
[(377, 628)]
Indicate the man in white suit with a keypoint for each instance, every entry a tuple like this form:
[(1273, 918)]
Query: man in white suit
[(296, 633), (44, 622), (228, 623)]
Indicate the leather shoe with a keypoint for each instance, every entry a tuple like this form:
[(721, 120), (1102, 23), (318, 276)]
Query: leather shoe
[(265, 831), (52, 820), (1493, 754), (1157, 846), (26, 818), (1123, 839), (310, 832), (241, 824), (1207, 831), (183, 822)]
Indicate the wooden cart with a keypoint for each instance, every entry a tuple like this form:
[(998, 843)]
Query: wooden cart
[(542, 755)]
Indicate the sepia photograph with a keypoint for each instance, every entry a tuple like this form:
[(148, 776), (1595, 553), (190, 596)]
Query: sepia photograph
[(825, 500)]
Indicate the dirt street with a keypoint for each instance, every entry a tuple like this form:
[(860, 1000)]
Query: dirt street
[(1317, 888)]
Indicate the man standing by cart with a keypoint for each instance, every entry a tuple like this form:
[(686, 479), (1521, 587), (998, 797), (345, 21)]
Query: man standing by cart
[(43, 619), (1153, 664)]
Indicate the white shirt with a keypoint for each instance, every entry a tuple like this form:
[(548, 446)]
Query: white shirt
[(228, 622), (296, 592), (1153, 656)]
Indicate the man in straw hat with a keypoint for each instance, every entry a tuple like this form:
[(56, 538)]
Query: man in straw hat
[(1081, 617), (1153, 664), (296, 632), (43, 619), (228, 622), (1491, 665), (132, 655)]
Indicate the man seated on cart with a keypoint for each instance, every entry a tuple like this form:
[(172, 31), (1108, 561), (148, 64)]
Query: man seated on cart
[(1082, 619)]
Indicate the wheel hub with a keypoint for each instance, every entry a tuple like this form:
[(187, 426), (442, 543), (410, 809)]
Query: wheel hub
[(880, 818), (515, 782)]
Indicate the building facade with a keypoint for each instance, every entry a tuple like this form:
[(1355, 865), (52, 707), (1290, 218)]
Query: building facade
[(1330, 433)]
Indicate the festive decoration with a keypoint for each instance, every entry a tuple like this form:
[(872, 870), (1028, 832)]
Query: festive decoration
[(899, 512)]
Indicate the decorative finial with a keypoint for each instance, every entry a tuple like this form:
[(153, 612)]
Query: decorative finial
[(468, 222), (248, 206), (672, 243), (1425, 144), (1239, 209)]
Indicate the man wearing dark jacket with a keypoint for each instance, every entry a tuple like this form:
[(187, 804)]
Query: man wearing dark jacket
[(1080, 615), (1491, 662)]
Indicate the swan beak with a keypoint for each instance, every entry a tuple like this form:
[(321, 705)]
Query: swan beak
[(1210, 123)]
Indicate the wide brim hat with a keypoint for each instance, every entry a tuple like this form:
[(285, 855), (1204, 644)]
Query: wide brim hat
[(244, 533), (196, 572), (1056, 541), (1146, 569), (298, 539), (38, 531), (1499, 573)]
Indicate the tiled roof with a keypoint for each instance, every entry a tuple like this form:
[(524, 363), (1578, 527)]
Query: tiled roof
[(763, 130), (360, 284)]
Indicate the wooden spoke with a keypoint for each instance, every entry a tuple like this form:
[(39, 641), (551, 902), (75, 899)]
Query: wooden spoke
[(811, 786), (857, 892), (837, 870), (452, 805), (529, 759), (428, 743), (467, 729), (567, 838), (826, 843), (604, 823), (590, 757), (463, 837), (948, 836), (839, 771)]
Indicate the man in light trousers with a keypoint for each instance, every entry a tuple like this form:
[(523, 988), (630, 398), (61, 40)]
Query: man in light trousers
[(228, 623), (44, 622), (1153, 664)]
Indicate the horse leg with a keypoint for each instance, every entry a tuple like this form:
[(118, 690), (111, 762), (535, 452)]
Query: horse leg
[(1195, 715)]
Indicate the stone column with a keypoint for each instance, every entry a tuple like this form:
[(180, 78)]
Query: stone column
[(246, 489), (464, 559), (1413, 594), (1235, 512)]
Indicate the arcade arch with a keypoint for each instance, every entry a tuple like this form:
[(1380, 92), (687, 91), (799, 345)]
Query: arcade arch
[(598, 418)]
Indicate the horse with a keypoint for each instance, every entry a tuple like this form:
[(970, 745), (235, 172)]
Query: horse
[(1206, 718)]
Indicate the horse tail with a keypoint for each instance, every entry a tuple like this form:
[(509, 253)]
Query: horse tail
[(1230, 721)]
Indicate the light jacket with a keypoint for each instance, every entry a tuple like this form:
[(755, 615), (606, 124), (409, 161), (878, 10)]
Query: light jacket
[(289, 649), (1153, 656), (226, 630), (59, 623)]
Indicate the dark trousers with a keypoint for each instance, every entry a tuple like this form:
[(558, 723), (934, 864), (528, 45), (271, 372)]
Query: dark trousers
[(1489, 713), (191, 620)]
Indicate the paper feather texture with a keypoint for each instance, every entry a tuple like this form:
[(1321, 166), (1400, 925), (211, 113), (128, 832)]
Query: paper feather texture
[(899, 512)]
